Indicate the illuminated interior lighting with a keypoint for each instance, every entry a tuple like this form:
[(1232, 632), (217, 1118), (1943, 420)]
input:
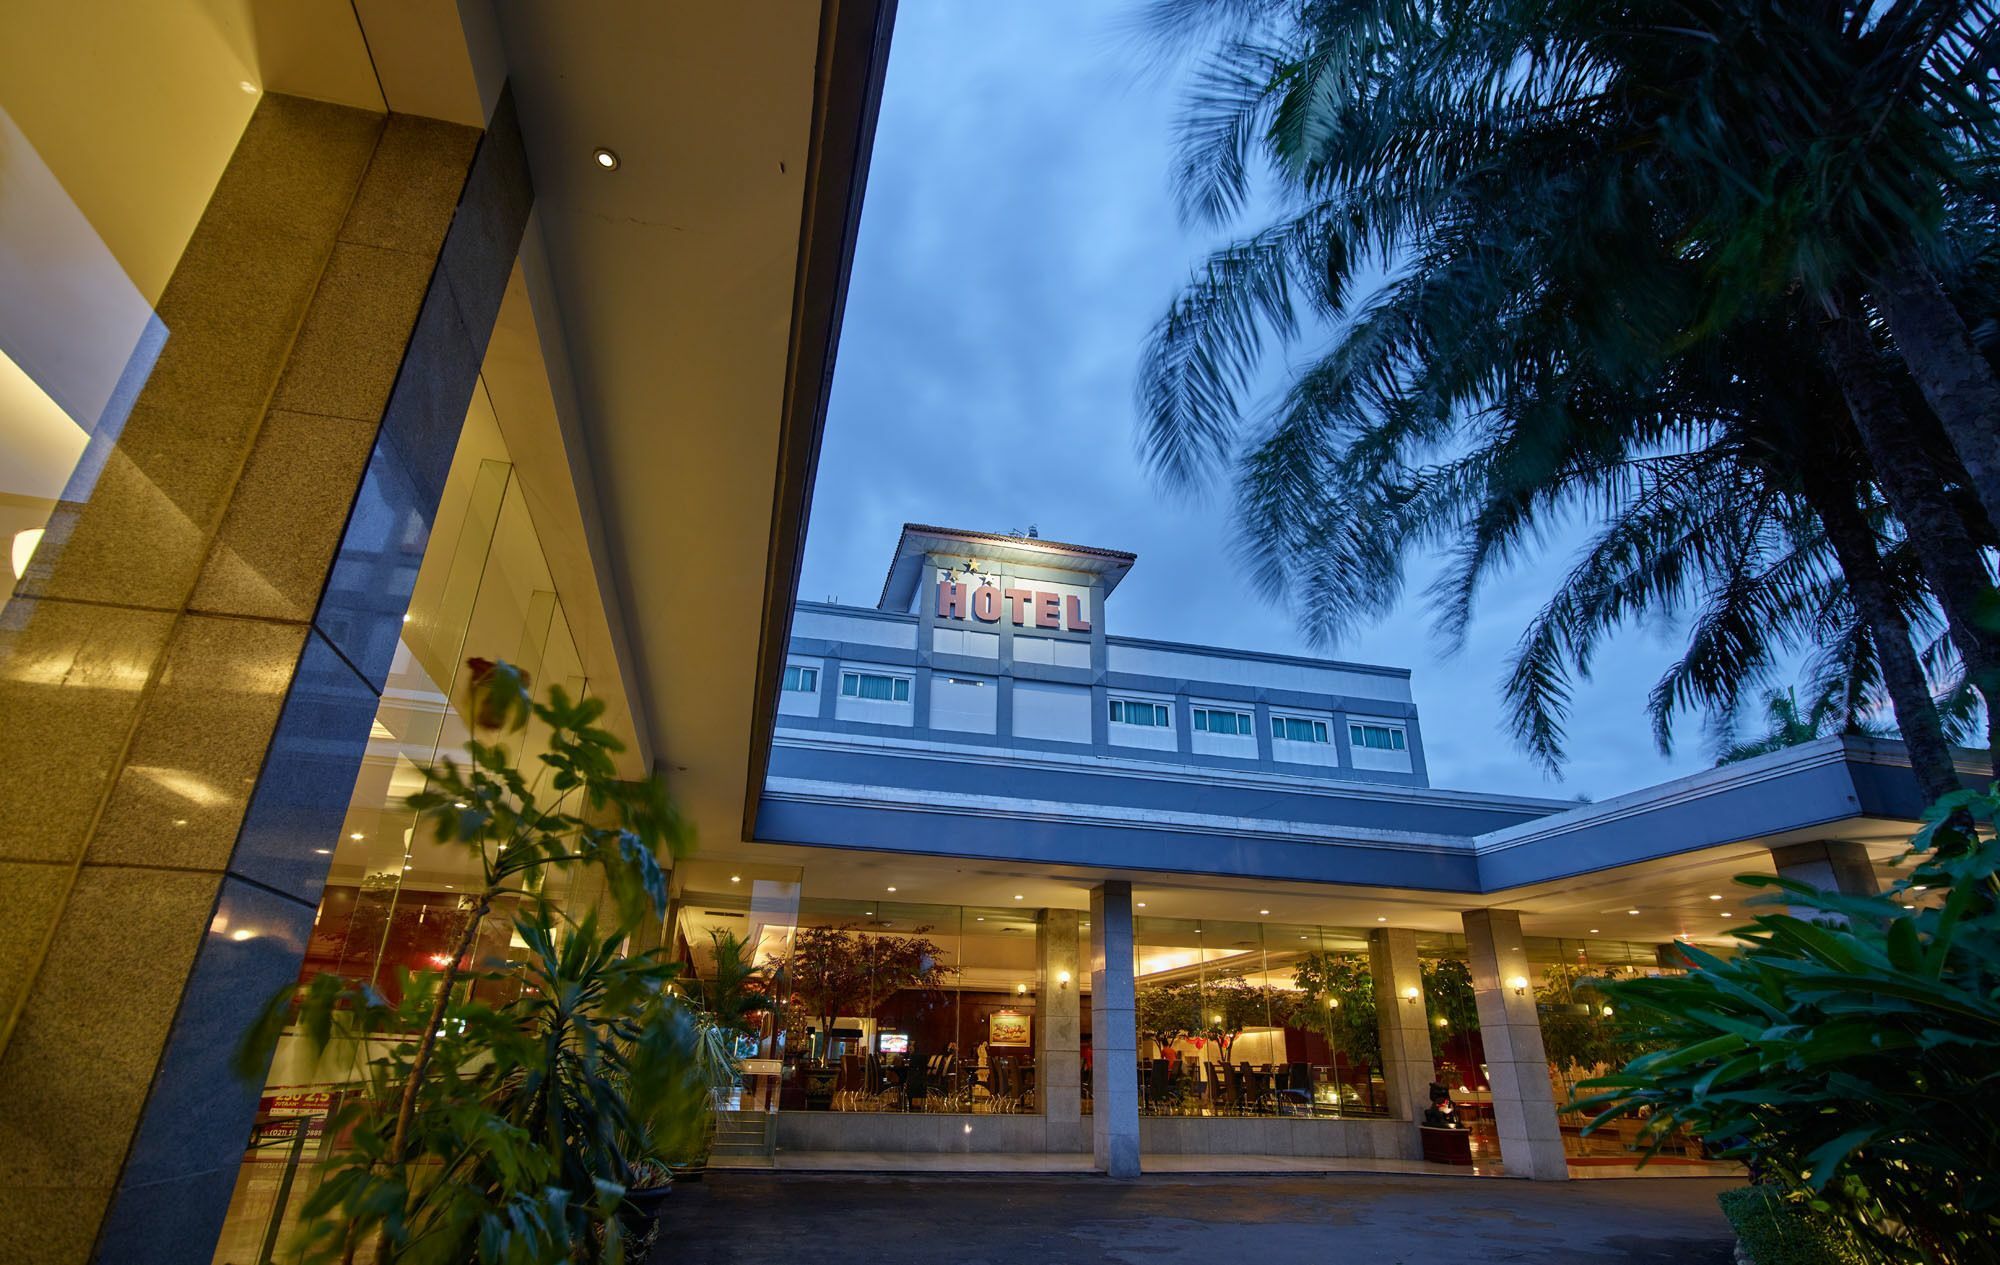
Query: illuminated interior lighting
[(605, 158), (24, 549)]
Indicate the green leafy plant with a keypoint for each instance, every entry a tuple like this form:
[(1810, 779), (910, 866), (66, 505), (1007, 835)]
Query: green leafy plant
[(736, 995), (508, 1132), (1849, 1057), (1337, 994), (1776, 1229), (1448, 996), (1170, 1012)]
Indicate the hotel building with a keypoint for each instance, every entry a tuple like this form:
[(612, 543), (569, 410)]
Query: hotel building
[(343, 342)]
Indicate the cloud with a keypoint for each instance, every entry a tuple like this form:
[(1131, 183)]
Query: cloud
[(1018, 240)]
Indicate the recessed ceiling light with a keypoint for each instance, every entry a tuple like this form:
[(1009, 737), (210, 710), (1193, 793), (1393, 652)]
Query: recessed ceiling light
[(1631, 911), (1142, 904), (1920, 888), (325, 852), (357, 835), (1382, 918), (1909, 906), (980, 918), (1715, 896), (406, 619), (182, 821), (1593, 931), (1263, 911), (1017, 895), (1727, 915), (1197, 930), (892, 889), (605, 158)]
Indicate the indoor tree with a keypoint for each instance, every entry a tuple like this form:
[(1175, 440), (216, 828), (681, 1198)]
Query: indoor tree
[(839, 971), (1337, 992)]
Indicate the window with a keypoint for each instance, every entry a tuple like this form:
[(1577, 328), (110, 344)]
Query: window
[(1376, 737), (1134, 712), (868, 685), (802, 680), (1298, 729), (1210, 720)]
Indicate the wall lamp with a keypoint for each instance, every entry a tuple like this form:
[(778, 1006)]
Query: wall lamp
[(1411, 994), (1062, 979), (1519, 984)]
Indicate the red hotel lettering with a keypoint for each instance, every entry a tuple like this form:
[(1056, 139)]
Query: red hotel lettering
[(1045, 610), (1077, 623), (1048, 610), (952, 600)]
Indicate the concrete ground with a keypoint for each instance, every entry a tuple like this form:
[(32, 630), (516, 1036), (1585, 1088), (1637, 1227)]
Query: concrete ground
[(1342, 1219)]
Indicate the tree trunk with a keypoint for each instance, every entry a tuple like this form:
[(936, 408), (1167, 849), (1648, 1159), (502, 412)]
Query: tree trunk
[(1868, 587), (1959, 384), (420, 1063), (1952, 564)]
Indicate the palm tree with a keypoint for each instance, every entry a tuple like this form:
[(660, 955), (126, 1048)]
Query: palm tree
[(1571, 314), (1787, 724)]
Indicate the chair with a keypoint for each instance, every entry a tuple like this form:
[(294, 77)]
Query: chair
[(1253, 1086), (916, 1084), (1296, 1097)]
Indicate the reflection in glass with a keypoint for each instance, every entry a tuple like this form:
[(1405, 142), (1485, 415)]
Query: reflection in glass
[(1239, 1018)]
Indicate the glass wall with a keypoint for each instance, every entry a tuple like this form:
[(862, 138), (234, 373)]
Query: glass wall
[(395, 900), (1584, 1036), (870, 1005), (1241, 1018)]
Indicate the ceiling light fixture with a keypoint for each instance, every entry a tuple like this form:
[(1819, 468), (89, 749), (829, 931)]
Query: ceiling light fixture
[(1382, 918), (1729, 915), (1593, 931), (1715, 896), (1263, 911), (892, 889), (325, 852), (1142, 904), (736, 878), (357, 835), (1017, 895), (605, 158), (1631, 911)]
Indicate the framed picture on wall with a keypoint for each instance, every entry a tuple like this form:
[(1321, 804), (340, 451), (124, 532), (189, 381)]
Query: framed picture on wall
[(1008, 1028)]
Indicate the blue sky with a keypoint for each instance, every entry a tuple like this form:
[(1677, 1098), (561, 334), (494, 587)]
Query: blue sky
[(1018, 241)]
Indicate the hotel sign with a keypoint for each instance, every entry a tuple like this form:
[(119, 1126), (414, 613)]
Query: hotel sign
[(1023, 607)]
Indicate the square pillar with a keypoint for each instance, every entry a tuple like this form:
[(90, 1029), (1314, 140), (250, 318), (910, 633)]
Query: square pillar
[(1524, 1106), (190, 666), (1114, 1032), (1058, 1027), (1405, 1030), (1832, 865)]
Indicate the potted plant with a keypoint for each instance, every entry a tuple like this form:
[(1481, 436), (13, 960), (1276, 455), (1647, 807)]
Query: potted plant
[(505, 1129)]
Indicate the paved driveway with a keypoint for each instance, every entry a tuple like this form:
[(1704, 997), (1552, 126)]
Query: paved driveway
[(1335, 1220)]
